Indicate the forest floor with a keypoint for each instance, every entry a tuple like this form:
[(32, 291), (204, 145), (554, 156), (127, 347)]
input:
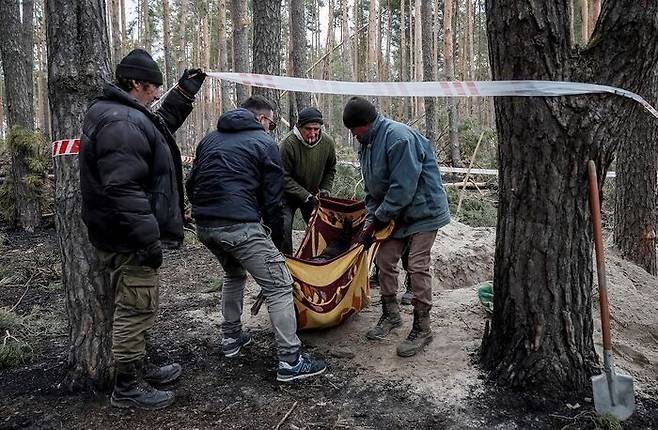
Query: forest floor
[(366, 385)]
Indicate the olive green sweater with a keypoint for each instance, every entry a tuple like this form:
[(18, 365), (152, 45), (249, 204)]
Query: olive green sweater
[(307, 169)]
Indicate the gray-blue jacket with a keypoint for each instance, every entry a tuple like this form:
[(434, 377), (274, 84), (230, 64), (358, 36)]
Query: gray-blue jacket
[(402, 179)]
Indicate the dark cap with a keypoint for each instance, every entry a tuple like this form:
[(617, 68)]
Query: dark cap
[(358, 111), (308, 115), (140, 66)]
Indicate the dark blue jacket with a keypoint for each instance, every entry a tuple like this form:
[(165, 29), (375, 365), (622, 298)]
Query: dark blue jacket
[(402, 179), (237, 176), (131, 176)]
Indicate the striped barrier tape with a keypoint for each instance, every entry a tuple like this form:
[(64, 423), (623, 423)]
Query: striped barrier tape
[(524, 88)]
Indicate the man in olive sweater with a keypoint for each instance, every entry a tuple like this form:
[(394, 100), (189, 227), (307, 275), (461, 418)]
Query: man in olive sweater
[(309, 166)]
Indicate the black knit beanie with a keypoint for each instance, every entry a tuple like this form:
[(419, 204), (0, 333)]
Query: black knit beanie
[(358, 111), (309, 114), (140, 66)]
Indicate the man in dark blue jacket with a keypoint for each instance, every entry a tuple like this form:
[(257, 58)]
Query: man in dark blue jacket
[(132, 198), (236, 182), (402, 184)]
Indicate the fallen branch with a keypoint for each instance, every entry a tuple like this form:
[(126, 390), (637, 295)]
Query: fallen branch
[(463, 184), (285, 417), (27, 287)]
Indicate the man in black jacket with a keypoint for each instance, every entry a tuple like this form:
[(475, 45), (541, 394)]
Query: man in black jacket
[(237, 181), (132, 198)]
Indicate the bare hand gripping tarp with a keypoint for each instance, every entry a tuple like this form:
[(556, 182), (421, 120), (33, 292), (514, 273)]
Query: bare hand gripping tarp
[(327, 291)]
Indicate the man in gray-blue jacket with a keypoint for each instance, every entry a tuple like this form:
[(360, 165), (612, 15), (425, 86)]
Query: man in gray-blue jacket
[(402, 183)]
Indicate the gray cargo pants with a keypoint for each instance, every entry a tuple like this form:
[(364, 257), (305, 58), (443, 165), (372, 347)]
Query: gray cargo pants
[(247, 247)]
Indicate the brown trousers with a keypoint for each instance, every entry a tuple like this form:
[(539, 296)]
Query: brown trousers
[(388, 256)]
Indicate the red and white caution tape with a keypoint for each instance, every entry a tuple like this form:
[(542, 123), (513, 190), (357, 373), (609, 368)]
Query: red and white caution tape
[(430, 89), (66, 147)]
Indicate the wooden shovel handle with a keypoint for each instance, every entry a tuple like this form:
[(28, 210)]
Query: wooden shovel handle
[(595, 209)]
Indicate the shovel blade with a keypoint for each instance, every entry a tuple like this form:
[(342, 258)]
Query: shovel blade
[(614, 395)]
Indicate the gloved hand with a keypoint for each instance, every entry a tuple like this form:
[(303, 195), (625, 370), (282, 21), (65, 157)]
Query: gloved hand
[(151, 255), (310, 203), (365, 236), (191, 81), (324, 193)]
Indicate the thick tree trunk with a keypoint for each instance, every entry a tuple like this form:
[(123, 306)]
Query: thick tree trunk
[(78, 63), (541, 332), (267, 43), (16, 49), (240, 18), (298, 52), (405, 108)]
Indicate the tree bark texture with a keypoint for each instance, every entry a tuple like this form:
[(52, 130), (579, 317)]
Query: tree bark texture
[(78, 63), (298, 52), (428, 70), (267, 44), (115, 12), (16, 49), (170, 75), (448, 58), (223, 57), (541, 332), (240, 18)]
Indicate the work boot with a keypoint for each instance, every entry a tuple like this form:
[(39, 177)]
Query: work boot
[(420, 334), (389, 320), (161, 375), (408, 295), (131, 391)]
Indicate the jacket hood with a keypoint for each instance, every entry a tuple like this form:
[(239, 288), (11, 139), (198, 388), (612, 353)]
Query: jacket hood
[(238, 120)]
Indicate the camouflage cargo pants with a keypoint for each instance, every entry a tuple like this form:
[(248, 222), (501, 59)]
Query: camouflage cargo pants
[(136, 301)]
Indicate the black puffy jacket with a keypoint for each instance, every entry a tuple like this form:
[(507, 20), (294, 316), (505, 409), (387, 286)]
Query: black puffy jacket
[(131, 175), (237, 175)]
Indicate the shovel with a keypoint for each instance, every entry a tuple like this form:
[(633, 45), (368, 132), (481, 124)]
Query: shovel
[(613, 392)]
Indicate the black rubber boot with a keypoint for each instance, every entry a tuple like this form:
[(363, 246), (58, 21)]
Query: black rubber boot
[(161, 375), (131, 391), (389, 320), (420, 334)]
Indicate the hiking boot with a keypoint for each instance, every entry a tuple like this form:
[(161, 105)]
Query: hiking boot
[(305, 367), (420, 334), (389, 320), (231, 345), (374, 278), (161, 375), (131, 391), (408, 295)]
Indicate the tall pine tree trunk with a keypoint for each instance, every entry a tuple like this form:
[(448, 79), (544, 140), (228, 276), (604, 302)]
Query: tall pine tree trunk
[(222, 48), (541, 332), (170, 76), (453, 120), (78, 63), (298, 56), (16, 49), (428, 71), (267, 43), (240, 18)]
